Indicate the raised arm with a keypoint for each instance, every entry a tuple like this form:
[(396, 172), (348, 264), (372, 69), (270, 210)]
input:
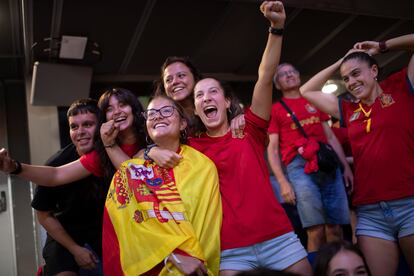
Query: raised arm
[(404, 42), (311, 91), (43, 175), (262, 94), (109, 132)]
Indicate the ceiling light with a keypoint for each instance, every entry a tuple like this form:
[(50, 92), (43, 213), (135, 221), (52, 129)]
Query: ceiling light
[(329, 87)]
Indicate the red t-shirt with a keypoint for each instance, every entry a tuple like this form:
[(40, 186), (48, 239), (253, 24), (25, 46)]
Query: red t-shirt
[(282, 124), (92, 163), (251, 213), (383, 157)]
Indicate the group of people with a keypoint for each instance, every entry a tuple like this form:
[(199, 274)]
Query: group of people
[(183, 186)]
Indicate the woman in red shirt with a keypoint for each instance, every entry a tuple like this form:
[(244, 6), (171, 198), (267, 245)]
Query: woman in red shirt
[(381, 132)]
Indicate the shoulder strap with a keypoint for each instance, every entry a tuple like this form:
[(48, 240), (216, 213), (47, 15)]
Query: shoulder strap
[(294, 118)]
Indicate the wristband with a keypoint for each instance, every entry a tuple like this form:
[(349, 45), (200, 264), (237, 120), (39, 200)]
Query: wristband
[(147, 150), (18, 168), (110, 145), (383, 47), (276, 31)]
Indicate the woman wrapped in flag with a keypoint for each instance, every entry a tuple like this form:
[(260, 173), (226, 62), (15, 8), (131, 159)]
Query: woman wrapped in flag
[(159, 221)]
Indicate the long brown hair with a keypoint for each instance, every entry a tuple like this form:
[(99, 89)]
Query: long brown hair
[(233, 111), (127, 97)]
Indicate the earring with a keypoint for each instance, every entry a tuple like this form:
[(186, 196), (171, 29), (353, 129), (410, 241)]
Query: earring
[(183, 134), (148, 140)]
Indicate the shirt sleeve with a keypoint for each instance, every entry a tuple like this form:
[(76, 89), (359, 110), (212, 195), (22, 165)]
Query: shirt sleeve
[(273, 125), (256, 126), (90, 161), (44, 199)]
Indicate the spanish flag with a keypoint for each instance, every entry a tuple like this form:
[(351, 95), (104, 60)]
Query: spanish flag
[(151, 211)]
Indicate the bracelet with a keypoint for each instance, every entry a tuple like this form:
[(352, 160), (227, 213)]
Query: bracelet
[(18, 168), (147, 150), (175, 259), (110, 145), (383, 47), (276, 31)]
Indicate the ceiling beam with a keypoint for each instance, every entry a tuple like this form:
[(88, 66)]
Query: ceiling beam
[(391, 58), (224, 15), (291, 16), (327, 39), (389, 30), (397, 9), (139, 29), (103, 78), (26, 12)]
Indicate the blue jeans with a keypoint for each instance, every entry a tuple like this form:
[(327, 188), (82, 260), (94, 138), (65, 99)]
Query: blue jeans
[(320, 197), (278, 253), (388, 220)]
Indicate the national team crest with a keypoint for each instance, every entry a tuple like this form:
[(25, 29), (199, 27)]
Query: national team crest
[(386, 100), (355, 116), (310, 108)]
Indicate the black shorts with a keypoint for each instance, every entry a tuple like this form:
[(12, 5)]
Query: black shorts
[(57, 258)]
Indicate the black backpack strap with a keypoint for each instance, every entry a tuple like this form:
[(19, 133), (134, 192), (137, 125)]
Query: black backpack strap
[(294, 118)]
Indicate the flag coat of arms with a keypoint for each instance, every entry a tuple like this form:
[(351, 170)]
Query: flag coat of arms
[(151, 211)]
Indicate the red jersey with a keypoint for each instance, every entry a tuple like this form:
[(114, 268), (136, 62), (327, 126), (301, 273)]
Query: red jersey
[(282, 124), (384, 155), (92, 163), (251, 213)]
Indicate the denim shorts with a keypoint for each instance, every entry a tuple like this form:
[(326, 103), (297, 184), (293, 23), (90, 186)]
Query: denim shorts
[(278, 253), (320, 197), (388, 220)]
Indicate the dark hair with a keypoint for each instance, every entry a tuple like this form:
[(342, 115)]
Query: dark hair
[(361, 56), (83, 106), (160, 88), (181, 113), (232, 112), (329, 250), (127, 97)]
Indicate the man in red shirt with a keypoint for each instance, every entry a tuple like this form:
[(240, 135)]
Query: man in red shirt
[(320, 197)]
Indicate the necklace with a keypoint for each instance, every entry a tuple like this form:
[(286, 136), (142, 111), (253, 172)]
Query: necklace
[(367, 115)]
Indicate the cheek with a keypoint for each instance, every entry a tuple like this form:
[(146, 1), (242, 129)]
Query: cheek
[(72, 135), (197, 107), (168, 88), (108, 115), (190, 82), (148, 126)]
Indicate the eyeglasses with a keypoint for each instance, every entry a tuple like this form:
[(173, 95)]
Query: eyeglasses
[(288, 72), (165, 112)]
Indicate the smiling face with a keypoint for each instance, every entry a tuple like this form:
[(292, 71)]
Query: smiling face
[(164, 129), (359, 78), (178, 81), (347, 263), (287, 78), (82, 129), (211, 106), (120, 112)]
